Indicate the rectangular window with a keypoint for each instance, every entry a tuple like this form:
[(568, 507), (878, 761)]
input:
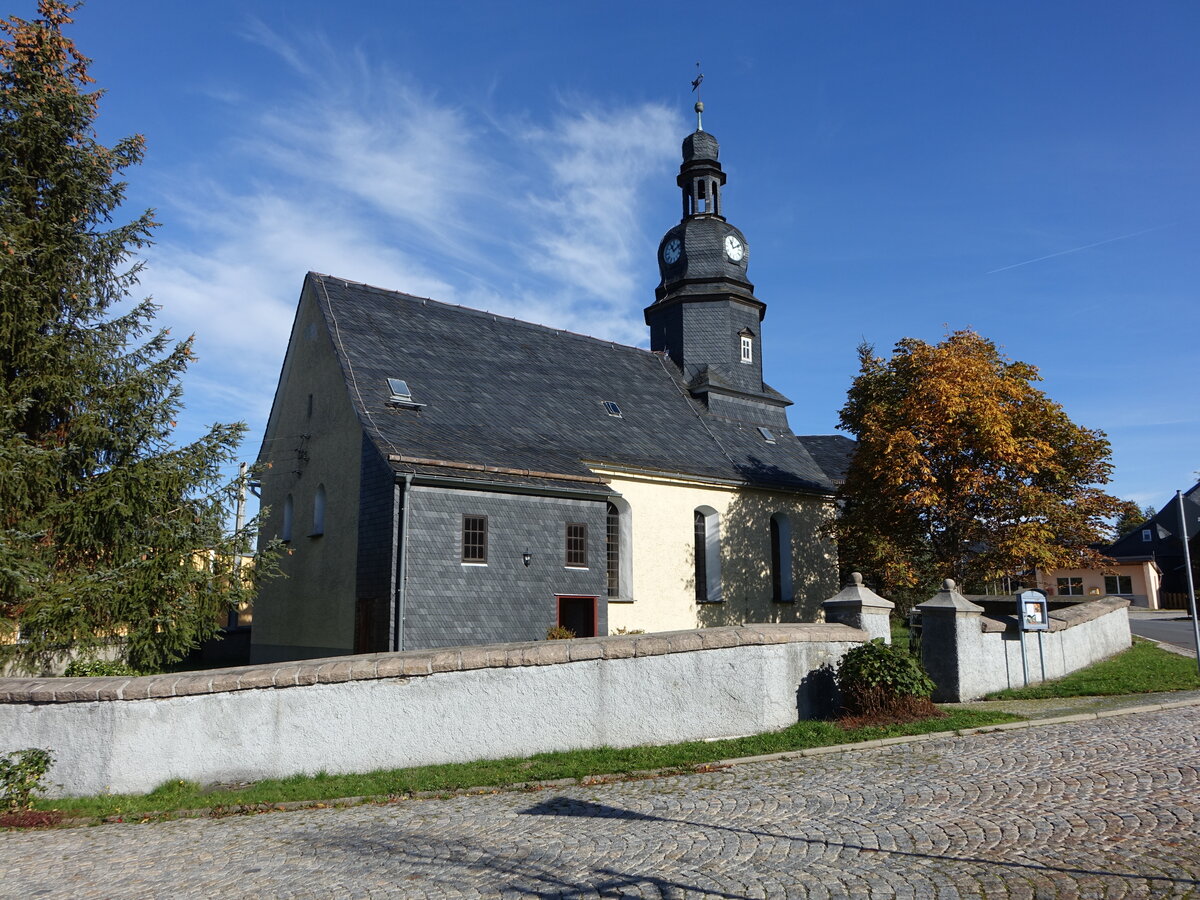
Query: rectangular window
[(1118, 584), (577, 545), (1147, 537), (1070, 587), (474, 539), (747, 348)]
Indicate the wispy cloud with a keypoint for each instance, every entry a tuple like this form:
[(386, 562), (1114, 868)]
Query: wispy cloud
[(1122, 237), (365, 174)]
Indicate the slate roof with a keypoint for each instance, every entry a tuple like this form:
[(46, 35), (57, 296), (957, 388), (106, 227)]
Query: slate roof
[(524, 398), (832, 452)]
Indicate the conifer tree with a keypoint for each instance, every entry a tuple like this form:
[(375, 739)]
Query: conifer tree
[(964, 469), (104, 522)]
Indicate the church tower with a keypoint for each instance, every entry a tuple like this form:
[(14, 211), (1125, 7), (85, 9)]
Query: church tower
[(705, 316)]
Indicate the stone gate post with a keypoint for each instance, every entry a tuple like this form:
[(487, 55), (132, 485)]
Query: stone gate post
[(860, 607), (951, 643)]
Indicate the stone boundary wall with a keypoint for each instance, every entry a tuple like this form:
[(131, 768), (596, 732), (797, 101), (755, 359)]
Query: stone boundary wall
[(390, 710), (970, 654)]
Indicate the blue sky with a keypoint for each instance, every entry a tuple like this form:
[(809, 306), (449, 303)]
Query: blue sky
[(1028, 169)]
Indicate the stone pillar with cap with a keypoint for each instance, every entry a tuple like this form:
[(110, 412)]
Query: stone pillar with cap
[(858, 606), (952, 644)]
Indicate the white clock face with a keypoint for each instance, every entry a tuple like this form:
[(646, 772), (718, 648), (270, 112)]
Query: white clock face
[(672, 250), (734, 248)]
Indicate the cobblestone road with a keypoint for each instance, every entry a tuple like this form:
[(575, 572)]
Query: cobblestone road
[(1105, 808)]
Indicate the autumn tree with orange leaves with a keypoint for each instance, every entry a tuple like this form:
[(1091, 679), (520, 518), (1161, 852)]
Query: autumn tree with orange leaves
[(965, 470)]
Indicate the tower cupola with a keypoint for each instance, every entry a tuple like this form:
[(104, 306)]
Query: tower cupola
[(705, 316)]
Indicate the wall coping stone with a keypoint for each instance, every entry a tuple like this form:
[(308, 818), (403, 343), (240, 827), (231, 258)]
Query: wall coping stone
[(1061, 619), (417, 663)]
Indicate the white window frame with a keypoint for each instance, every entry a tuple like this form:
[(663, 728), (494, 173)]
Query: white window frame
[(1117, 578), (712, 554), (1068, 579), (624, 551), (747, 348)]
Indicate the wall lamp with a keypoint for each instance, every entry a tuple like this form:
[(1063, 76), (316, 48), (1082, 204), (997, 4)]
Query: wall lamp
[(525, 558)]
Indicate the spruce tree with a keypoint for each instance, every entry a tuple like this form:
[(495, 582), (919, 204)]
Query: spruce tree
[(110, 535)]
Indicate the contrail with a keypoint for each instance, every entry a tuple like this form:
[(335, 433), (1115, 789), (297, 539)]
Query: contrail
[(1122, 237)]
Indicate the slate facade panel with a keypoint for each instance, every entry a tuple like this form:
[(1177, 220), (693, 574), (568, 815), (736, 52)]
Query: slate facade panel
[(448, 603), (378, 531)]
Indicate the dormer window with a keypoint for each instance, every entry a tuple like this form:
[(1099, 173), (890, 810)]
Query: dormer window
[(747, 348)]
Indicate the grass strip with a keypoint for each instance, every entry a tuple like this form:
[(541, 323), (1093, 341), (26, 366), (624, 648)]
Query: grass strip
[(501, 773), (1142, 669)]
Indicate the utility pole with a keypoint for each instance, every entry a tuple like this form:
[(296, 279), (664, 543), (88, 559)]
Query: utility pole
[(1187, 568)]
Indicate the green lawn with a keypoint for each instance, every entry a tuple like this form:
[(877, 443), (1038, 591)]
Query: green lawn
[(1143, 668), (182, 795)]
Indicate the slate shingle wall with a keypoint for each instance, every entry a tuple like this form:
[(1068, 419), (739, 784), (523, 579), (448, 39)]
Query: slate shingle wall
[(448, 603), (377, 530)]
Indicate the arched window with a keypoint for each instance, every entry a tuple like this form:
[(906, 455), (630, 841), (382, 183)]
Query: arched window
[(285, 533), (619, 546), (781, 559), (612, 546), (318, 522), (708, 555)]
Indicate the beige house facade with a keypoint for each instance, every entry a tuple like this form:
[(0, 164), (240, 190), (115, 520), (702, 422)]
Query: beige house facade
[(766, 555), (1138, 581)]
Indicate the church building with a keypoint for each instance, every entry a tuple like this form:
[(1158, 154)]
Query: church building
[(445, 476)]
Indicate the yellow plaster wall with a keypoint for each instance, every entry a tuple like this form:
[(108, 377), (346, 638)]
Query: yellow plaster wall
[(663, 583)]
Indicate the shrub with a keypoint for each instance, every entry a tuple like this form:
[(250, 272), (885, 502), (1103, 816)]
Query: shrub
[(88, 668), (21, 774), (558, 633), (882, 683)]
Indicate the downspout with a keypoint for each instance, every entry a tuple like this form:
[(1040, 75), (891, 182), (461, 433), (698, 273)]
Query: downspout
[(402, 568)]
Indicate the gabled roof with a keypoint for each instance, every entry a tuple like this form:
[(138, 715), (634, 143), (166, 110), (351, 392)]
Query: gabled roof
[(1164, 528), (526, 402)]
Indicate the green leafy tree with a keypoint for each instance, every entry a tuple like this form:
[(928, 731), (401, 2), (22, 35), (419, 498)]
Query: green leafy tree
[(103, 521), (965, 470), (1131, 516)]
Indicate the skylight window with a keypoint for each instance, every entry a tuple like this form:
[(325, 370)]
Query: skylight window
[(767, 435), (610, 407), (401, 395), (400, 391)]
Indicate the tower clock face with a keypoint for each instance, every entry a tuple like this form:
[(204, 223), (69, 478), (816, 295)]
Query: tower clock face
[(734, 248), (671, 251)]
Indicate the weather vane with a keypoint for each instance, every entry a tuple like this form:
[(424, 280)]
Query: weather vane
[(696, 82)]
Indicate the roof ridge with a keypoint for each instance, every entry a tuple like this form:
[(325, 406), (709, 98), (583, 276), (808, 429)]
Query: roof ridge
[(471, 310)]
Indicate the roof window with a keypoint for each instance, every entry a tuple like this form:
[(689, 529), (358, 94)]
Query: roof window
[(400, 391), (767, 435), (610, 407), (401, 396)]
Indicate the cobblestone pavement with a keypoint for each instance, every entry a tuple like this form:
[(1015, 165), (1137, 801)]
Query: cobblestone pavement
[(1105, 808)]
